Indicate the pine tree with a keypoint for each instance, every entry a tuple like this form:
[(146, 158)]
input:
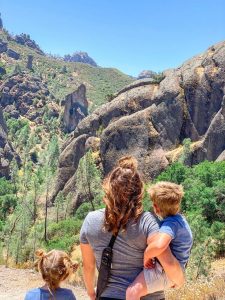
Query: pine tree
[(88, 180)]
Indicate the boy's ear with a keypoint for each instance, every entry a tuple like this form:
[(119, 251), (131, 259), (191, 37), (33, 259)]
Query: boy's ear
[(75, 266), (156, 208)]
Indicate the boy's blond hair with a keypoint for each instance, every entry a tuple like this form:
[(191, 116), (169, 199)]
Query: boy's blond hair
[(167, 196)]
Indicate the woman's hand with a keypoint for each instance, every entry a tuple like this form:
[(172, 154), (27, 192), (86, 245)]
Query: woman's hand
[(149, 264), (92, 295)]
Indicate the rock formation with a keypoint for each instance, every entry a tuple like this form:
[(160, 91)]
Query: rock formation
[(6, 150), (76, 108), (82, 57), (3, 46), (25, 95), (13, 54), (150, 120), (2, 71), (146, 74), (30, 62), (24, 39), (1, 23)]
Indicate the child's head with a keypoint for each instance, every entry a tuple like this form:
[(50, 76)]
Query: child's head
[(166, 198), (55, 266)]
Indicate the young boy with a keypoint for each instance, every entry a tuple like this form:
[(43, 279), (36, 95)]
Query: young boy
[(174, 232)]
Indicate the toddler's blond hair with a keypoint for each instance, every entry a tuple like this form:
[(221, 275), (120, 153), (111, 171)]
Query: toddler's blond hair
[(55, 266), (167, 196)]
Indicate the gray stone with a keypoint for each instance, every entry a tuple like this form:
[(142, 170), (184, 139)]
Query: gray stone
[(30, 62), (3, 46), (2, 71), (13, 54)]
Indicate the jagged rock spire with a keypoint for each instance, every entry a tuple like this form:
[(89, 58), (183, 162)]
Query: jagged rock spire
[(1, 23)]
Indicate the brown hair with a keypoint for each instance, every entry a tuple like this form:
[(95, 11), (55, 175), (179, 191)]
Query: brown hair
[(167, 196), (54, 266), (123, 195)]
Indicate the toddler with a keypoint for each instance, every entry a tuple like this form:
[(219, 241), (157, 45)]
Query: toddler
[(54, 266), (174, 232)]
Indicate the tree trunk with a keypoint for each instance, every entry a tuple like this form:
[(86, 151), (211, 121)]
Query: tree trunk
[(35, 240), (46, 211), (57, 213)]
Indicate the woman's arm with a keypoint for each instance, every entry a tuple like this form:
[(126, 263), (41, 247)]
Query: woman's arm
[(172, 267), (88, 269), (157, 244)]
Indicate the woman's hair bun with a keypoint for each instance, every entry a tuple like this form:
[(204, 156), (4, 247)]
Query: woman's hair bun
[(128, 162), (40, 253)]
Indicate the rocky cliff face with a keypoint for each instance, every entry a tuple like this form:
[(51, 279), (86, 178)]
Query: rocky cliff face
[(7, 152), (76, 108), (26, 95), (82, 57), (150, 120)]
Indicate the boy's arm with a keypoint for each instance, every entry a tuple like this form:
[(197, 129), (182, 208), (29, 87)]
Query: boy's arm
[(156, 245)]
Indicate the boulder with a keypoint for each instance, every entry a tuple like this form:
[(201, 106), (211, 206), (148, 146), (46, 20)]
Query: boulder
[(30, 62), (2, 71), (3, 46), (13, 54)]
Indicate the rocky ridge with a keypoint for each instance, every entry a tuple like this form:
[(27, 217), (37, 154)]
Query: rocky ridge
[(151, 120), (24, 39), (81, 57)]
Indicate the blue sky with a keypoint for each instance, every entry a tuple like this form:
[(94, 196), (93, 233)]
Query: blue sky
[(126, 34)]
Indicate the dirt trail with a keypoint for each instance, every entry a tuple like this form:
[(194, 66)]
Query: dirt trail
[(15, 282)]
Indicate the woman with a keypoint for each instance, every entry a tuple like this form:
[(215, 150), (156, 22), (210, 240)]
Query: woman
[(123, 214)]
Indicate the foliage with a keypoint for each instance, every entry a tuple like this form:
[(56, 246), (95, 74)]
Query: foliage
[(186, 151), (64, 234), (7, 199)]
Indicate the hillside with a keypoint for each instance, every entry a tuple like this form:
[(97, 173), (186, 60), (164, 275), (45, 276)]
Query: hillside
[(63, 77)]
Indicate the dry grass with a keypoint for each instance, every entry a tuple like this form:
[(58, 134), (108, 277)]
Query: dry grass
[(212, 288), (205, 289)]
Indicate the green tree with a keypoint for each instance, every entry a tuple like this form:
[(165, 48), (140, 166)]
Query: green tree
[(88, 180), (59, 204), (184, 158)]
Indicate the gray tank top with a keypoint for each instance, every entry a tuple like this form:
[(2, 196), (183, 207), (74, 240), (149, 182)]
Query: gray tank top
[(128, 250)]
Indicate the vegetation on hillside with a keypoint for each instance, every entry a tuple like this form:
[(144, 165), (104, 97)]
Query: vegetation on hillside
[(28, 221)]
